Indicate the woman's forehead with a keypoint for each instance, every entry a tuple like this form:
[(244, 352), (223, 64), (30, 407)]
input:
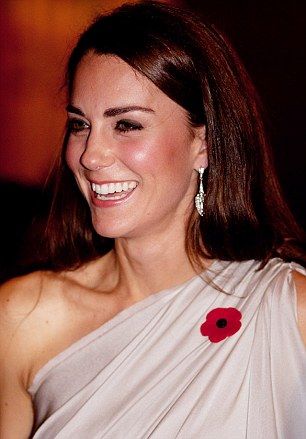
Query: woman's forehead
[(108, 80), (109, 69)]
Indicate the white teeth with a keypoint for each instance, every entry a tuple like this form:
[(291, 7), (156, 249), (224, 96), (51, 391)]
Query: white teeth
[(103, 189), (118, 187), (111, 188), (113, 197)]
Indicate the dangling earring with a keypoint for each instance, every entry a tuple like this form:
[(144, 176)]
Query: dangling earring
[(199, 199)]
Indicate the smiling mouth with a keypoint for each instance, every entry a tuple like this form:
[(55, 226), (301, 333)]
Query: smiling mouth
[(113, 191)]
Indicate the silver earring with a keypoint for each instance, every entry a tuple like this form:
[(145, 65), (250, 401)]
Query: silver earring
[(199, 199)]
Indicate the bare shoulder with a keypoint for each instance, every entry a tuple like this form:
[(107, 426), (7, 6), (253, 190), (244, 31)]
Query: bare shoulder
[(41, 314), (26, 304), (19, 299), (18, 296), (300, 285), (24, 297)]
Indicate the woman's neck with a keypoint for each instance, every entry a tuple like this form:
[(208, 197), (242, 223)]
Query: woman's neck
[(140, 266), (146, 268)]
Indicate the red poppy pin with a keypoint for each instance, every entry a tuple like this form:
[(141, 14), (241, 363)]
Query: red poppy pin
[(221, 323)]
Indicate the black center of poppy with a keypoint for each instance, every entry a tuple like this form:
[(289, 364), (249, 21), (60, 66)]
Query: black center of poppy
[(221, 323)]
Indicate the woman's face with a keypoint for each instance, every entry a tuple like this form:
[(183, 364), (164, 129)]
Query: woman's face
[(131, 150)]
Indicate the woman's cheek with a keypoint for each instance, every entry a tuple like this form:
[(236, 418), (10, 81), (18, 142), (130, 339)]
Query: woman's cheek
[(139, 154), (153, 154)]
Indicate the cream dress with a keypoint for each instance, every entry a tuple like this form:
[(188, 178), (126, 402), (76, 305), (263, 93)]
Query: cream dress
[(150, 373)]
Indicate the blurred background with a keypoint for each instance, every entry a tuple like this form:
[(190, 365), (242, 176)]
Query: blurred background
[(36, 38)]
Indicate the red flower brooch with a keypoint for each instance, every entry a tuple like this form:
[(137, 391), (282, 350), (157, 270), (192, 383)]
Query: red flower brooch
[(221, 323)]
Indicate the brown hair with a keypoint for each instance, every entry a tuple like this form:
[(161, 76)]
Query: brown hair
[(245, 216)]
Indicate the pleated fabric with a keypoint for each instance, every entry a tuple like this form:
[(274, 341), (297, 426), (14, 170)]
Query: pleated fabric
[(150, 373)]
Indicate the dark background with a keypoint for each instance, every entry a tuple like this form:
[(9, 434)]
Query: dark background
[(269, 37)]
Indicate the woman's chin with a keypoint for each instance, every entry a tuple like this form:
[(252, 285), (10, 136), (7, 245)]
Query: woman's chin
[(112, 230)]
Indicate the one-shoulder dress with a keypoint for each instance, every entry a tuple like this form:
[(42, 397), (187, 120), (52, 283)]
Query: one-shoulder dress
[(168, 367)]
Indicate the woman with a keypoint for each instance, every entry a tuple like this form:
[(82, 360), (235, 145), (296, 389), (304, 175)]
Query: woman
[(168, 307)]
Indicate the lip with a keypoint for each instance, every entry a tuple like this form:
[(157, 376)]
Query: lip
[(109, 203)]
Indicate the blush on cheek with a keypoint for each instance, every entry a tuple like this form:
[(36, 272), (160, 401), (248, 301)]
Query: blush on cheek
[(159, 153), (140, 153)]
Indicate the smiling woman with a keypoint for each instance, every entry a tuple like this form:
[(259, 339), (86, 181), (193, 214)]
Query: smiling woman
[(170, 276), (131, 134)]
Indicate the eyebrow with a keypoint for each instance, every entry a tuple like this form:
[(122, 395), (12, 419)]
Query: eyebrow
[(111, 112), (71, 109), (119, 110)]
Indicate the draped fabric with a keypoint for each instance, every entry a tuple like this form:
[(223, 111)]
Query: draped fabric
[(150, 373)]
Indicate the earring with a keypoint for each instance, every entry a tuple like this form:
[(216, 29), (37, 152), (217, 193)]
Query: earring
[(199, 199)]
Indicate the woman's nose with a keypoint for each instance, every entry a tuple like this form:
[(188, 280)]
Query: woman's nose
[(97, 154)]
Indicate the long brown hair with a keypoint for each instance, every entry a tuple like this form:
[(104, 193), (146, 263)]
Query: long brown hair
[(245, 216)]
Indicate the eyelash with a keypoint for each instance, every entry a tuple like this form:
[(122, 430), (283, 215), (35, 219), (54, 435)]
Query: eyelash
[(123, 126), (77, 125)]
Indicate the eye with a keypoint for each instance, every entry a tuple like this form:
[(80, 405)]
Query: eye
[(77, 125), (124, 126)]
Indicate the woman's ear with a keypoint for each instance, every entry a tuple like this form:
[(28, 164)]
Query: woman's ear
[(200, 148)]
